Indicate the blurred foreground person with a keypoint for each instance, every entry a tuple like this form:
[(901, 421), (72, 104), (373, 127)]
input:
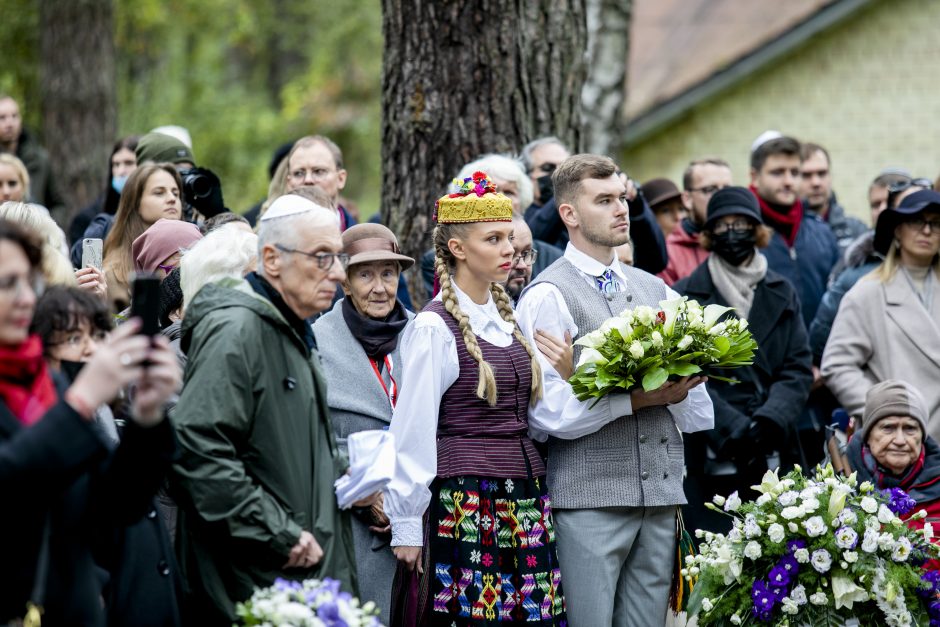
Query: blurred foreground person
[(254, 480), (55, 464)]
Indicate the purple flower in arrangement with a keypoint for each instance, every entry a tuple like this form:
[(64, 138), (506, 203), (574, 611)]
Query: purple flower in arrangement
[(763, 600), (932, 578), (789, 563), (779, 576), (899, 501), (793, 545)]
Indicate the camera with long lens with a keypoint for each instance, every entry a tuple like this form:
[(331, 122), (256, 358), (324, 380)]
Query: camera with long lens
[(202, 191)]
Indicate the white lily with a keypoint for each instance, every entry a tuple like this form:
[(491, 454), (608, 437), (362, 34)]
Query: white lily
[(594, 339), (712, 313), (591, 356), (846, 592), (671, 309)]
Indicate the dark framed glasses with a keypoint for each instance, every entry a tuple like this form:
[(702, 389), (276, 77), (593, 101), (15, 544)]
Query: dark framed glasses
[(324, 261), (528, 257)]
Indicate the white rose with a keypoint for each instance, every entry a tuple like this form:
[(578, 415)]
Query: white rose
[(801, 555), (735, 619), (776, 533), (636, 349), (866, 487), (684, 343), (928, 532), (886, 542), (815, 526), (821, 560), (707, 605), (850, 556), (792, 513), (848, 517), (869, 504), (752, 550), (644, 315), (789, 606), (657, 339), (718, 329), (810, 505), (742, 325), (885, 515), (798, 594), (787, 498), (793, 527), (818, 598)]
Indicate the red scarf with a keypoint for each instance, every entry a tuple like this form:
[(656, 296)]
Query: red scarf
[(787, 224), (25, 385)]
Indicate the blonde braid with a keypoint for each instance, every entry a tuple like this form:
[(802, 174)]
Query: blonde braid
[(486, 387), (505, 310)]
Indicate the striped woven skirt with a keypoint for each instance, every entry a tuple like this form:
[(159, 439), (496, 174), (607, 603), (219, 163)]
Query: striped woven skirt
[(489, 559)]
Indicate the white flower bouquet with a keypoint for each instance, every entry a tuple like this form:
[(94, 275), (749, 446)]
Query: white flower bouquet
[(310, 603), (816, 551), (645, 346)]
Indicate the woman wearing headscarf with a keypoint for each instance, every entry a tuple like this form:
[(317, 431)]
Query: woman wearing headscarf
[(754, 417), (888, 325), (358, 342)]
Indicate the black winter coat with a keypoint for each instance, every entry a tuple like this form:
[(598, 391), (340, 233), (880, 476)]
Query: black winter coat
[(61, 472), (776, 386)]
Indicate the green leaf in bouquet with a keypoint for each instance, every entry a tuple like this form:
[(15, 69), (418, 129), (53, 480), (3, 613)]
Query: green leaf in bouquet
[(683, 369), (616, 359), (722, 344), (654, 379), (730, 380)]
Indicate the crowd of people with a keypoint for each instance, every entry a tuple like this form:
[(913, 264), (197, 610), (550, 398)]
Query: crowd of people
[(160, 479)]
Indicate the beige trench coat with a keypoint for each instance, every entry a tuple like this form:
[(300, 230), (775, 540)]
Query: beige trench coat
[(882, 331)]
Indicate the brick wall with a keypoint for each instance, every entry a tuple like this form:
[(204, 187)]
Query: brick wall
[(867, 90)]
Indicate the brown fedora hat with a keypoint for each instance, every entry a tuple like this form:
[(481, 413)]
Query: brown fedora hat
[(373, 242)]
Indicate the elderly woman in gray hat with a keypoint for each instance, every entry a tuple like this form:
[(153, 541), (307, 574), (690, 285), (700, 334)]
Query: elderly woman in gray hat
[(358, 343), (892, 449)]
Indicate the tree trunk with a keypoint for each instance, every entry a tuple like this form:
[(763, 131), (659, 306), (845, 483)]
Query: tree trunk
[(77, 82), (467, 77), (608, 25)]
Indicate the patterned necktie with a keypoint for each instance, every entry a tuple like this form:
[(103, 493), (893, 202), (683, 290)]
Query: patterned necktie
[(605, 282)]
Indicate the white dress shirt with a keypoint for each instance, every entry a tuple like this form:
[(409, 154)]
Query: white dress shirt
[(559, 413), (429, 359)]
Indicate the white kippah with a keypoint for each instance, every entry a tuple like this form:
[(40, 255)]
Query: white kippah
[(763, 138), (288, 205)]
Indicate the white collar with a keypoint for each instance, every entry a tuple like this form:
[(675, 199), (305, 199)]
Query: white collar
[(591, 266), (481, 316)]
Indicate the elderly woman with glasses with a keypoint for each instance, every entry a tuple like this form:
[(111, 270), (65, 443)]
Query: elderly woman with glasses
[(888, 325), (359, 345), (754, 417)]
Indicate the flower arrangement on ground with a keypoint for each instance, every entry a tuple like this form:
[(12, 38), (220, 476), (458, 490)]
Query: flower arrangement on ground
[(816, 551), (309, 603), (643, 346)]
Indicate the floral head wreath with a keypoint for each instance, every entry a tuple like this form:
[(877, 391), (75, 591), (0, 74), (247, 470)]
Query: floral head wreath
[(476, 200)]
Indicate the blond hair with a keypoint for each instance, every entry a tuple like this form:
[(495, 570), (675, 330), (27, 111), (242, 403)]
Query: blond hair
[(889, 267), (21, 172), (56, 268), (444, 263)]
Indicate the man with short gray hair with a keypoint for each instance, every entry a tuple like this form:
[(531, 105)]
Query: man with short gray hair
[(258, 455)]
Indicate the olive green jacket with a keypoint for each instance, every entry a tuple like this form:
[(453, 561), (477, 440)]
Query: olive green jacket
[(258, 455)]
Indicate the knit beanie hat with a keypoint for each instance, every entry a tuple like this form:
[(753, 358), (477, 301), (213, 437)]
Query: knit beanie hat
[(893, 398), (732, 201), (160, 148)]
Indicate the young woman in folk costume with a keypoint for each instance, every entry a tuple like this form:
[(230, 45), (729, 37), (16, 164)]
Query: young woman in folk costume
[(471, 521)]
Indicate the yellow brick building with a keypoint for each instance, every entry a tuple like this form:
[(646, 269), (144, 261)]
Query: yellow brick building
[(859, 78)]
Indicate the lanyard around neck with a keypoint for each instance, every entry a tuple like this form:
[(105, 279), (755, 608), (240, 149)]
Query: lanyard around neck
[(392, 393)]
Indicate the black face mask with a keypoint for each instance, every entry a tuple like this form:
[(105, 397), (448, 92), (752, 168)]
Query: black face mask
[(734, 247), (546, 188)]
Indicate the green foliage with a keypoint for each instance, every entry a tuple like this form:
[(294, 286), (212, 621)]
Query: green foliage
[(242, 76)]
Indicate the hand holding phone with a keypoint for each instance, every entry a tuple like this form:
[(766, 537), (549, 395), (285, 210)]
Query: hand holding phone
[(92, 248)]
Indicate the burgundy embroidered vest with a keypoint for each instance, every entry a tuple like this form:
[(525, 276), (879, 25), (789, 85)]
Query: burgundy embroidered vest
[(474, 438)]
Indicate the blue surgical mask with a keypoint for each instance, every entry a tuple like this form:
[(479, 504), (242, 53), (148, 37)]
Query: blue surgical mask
[(117, 182)]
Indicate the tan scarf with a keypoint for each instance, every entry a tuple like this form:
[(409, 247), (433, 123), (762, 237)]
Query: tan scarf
[(736, 284)]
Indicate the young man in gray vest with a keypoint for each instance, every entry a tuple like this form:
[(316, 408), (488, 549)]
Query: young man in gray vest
[(614, 469)]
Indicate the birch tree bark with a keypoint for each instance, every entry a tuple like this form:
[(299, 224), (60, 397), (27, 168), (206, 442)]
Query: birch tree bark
[(604, 92)]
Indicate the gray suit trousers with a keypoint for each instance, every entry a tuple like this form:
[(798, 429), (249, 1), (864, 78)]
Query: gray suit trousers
[(616, 564)]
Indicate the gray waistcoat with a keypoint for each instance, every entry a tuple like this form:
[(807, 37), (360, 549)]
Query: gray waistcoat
[(357, 400), (634, 461)]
